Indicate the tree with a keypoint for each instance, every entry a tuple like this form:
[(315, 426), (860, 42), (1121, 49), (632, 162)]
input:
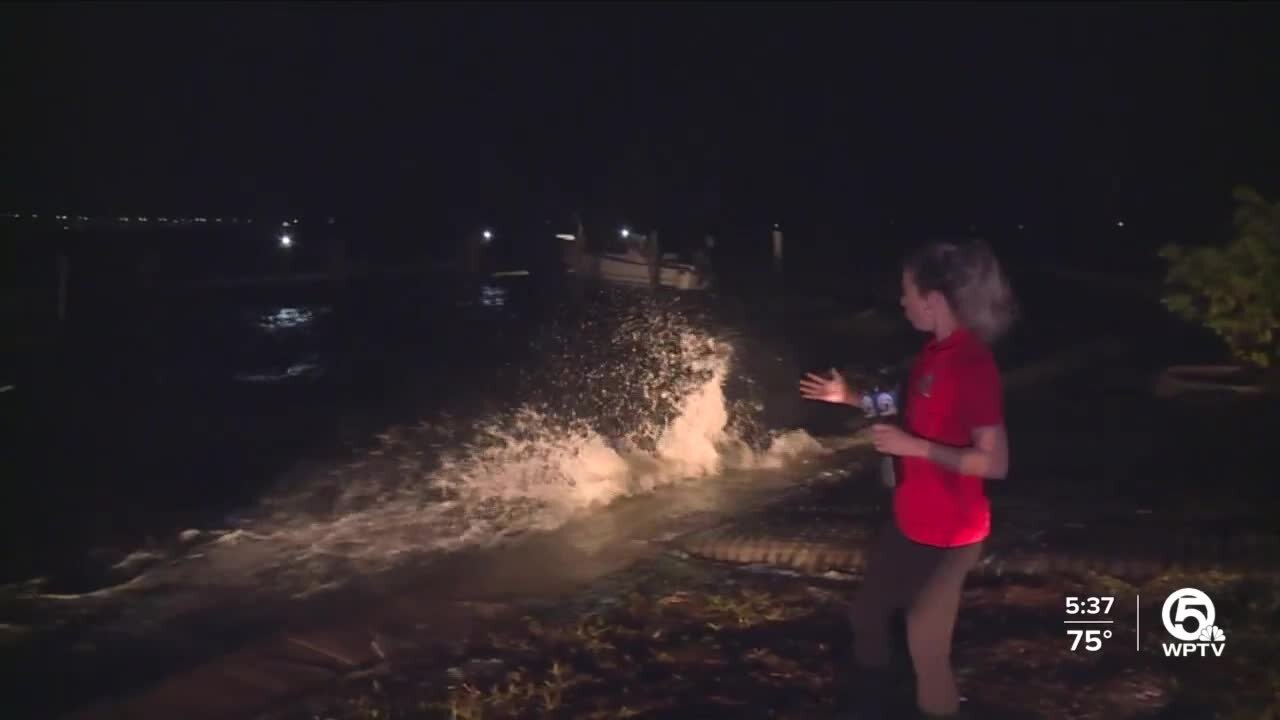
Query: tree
[(1234, 289)]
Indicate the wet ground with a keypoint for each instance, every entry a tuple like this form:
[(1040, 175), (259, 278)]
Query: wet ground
[(671, 639)]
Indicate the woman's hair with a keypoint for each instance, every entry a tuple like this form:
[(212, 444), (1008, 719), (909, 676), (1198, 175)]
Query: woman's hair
[(968, 275)]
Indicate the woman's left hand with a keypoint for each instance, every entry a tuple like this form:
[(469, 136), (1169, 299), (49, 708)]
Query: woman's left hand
[(893, 440)]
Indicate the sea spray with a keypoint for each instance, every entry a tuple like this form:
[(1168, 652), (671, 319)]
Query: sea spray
[(626, 395)]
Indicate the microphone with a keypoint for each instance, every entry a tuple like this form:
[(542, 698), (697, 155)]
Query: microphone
[(882, 404)]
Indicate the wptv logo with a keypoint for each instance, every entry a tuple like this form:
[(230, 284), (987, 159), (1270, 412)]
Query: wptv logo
[(1189, 616)]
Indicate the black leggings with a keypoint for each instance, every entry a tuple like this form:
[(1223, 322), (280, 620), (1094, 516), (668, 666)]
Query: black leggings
[(927, 582)]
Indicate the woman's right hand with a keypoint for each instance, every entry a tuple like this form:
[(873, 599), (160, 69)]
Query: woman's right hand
[(831, 389)]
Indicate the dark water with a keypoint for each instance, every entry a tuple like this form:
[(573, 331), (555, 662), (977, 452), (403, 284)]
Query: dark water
[(160, 412), (150, 415)]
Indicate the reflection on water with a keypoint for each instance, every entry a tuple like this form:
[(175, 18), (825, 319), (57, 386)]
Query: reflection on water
[(489, 295), (288, 318), (290, 343), (493, 296), (307, 369), (284, 345)]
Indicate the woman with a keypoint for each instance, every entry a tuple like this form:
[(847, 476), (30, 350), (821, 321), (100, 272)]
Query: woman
[(953, 439)]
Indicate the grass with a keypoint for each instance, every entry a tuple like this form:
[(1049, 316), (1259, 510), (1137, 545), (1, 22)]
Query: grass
[(698, 641)]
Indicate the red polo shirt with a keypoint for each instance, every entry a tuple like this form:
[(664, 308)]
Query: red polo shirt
[(953, 388)]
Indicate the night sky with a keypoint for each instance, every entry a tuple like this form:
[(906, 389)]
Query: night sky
[(673, 116)]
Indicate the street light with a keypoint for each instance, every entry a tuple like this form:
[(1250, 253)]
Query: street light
[(487, 235), (286, 241), (626, 233)]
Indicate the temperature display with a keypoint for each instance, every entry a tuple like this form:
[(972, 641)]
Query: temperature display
[(1087, 622)]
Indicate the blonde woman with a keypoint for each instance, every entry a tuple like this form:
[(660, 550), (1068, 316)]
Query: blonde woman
[(952, 440)]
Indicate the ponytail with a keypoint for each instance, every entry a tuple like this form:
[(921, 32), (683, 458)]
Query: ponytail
[(970, 277)]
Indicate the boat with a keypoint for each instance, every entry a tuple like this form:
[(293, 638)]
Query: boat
[(631, 266)]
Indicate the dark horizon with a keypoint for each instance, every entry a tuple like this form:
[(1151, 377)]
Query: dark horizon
[(813, 117)]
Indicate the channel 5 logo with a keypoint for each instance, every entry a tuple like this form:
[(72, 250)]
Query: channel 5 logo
[(1189, 616)]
